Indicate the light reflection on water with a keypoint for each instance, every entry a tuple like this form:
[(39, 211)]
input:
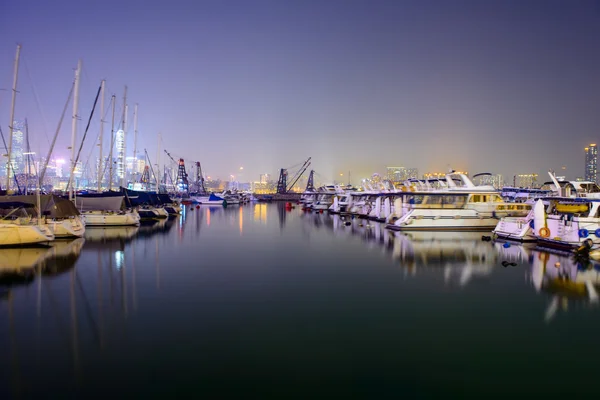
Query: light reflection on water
[(230, 300)]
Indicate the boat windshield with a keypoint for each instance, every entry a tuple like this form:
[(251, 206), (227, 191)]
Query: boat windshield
[(10, 214), (443, 201)]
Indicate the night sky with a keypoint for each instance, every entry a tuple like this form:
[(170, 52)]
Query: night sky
[(497, 86)]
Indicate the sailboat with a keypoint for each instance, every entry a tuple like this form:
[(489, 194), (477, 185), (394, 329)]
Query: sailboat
[(16, 227), (109, 208)]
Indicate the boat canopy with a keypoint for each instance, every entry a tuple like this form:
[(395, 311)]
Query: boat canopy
[(101, 202), (50, 205)]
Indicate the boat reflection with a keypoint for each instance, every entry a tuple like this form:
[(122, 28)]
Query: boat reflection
[(462, 256), (569, 280), (64, 255), (23, 265), (156, 227), (19, 265), (100, 237)]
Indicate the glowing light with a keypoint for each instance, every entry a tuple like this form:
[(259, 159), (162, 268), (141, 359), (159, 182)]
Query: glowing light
[(241, 168), (60, 161), (119, 259)]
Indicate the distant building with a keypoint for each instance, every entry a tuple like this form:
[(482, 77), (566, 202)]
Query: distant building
[(401, 174), (591, 162), (441, 175), (526, 180), (497, 181), (17, 147), (121, 161)]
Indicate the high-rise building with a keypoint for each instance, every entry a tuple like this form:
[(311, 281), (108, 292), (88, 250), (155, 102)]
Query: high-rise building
[(121, 161), (591, 162), (497, 181), (16, 157), (401, 174), (526, 180)]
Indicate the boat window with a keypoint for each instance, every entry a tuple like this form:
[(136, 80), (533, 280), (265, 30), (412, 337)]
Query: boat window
[(476, 198)]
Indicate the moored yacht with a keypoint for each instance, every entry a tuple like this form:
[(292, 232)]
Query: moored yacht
[(106, 209), (17, 228), (58, 213), (567, 222), (461, 206)]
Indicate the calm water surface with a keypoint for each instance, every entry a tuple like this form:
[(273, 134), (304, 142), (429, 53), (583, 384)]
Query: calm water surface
[(256, 301)]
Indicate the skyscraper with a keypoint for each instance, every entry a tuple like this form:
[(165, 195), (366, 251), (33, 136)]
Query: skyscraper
[(591, 162), (401, 174), (121, 162), (17, 148)]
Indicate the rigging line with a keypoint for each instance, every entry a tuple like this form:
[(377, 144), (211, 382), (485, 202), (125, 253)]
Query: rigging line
[(8, 161), (92, 148), (43, 172), (83, 139), (37, 100)]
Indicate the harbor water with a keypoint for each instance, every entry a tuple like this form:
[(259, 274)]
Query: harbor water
[(262, 301)]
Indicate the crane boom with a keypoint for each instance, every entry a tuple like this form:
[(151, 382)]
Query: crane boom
[(301, 171)]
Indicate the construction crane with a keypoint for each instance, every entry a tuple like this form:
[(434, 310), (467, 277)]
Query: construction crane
[(199, 179), (181, 182), (282, 186)]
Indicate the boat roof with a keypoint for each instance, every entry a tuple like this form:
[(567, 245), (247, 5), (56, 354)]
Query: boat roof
[(15, 204)]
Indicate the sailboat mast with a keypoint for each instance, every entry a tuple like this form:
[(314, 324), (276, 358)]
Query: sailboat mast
[(124, 150), (11, 121), (28, 151), (74, 130), (102, 85), (157, 163), (112, 144), (135, 132)]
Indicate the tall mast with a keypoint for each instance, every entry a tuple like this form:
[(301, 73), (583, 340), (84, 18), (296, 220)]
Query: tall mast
[(101, 136), (135, 132), (12, 118), (112, 144), (71, 184), (124, 121), (157, 163)]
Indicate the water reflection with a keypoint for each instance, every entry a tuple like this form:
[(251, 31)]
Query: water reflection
[(101, 236), (464, 256), (568, 280), (161, 227), (22, 265), (260, 212), (460, 256), (145, 301)]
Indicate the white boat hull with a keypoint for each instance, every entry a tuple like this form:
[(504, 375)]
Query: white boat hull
[(444, 220), (515, 228), (68, 228), (19, 235), (100, 218)]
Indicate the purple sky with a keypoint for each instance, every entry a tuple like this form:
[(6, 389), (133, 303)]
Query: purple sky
[(500, 86)]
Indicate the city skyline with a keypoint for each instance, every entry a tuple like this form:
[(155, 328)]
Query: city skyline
[(502, 87)]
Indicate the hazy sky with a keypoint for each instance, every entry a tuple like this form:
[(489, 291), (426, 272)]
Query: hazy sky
[(500, 86)]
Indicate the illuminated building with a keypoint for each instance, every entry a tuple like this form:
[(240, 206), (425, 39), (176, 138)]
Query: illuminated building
[(591, 162), (17, 147), (401, 174), (120, 143), (441, 175), (526, 180)]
